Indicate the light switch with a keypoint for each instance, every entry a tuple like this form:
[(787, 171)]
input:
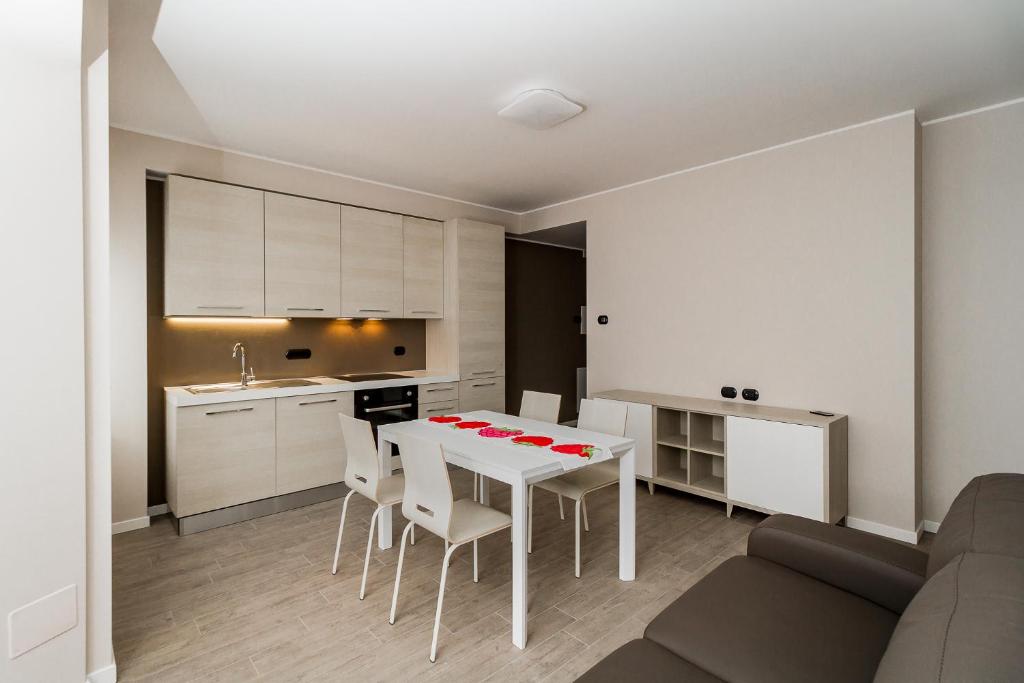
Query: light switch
[(30, 626)]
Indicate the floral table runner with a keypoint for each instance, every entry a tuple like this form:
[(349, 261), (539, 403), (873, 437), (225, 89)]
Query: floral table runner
[(571, 454)]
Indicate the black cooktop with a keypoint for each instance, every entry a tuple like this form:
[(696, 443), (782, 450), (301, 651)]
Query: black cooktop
[(370, 377)]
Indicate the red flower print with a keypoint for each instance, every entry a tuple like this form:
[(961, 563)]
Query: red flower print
[(533, 441), (499, 432), (584, 450), (471, 425), (445, 419)]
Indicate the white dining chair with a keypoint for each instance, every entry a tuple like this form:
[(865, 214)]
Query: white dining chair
[(536, 405), (607, 417), (429, 503), (362, 475)]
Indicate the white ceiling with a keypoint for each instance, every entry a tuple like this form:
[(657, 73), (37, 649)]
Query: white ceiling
[(406, 92)]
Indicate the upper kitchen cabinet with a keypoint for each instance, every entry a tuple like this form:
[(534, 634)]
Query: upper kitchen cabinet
[(213, 249), (303, 257), (372, 278), (424, 268)]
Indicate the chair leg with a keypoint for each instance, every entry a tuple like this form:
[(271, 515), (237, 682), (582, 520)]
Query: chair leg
[(369, 547), (476, 478), (476, 565), (440, 601), (412, 534), (586, 522), (398, 573), (341, 528), (578, 537), (529, 525), (561, 508)]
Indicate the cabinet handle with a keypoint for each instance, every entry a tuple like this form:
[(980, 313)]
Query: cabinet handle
[(485, 384), (222, 308), (296, 308), (430, 391), (374, 310), (313, 403), (383, 408), (225, 412), (438, 410), (424, 312), (484, 372)]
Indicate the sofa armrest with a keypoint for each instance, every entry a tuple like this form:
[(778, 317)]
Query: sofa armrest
[(883, 571)]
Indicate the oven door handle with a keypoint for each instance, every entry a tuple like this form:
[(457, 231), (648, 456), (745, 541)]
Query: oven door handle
[(383, 408)]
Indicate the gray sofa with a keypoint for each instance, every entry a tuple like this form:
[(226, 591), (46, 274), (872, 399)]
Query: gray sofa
[(813, 602)]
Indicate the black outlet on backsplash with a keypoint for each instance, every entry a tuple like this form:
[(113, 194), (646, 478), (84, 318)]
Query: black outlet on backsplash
[(399, 350), (298, 354)]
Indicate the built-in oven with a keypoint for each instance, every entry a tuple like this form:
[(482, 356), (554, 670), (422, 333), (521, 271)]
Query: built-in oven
[(387, 405)]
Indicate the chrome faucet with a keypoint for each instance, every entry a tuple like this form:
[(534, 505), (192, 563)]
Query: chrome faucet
[(246, 376)]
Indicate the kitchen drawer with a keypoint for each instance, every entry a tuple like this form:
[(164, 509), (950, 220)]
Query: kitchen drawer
[(310, 448), (223, 455), (438, 408), (482, 394), (442, 391)]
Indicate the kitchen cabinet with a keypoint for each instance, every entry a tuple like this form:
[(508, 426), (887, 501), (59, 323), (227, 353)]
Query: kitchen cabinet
[(310, 448), (438, 408), (372, 277), (220, 454), (303, 257), (639, 421), (480, 282), (482, 394), (423, 268), (213, 249)]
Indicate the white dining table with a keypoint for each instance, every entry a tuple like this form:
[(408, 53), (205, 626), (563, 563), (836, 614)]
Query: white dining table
[(519, 468)]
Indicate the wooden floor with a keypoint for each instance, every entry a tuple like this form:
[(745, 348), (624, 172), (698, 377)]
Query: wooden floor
[(257, 601)]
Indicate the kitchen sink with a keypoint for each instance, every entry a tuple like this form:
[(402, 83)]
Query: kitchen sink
[(258, 384)]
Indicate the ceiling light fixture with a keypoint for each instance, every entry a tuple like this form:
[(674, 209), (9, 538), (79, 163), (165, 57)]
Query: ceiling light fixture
[(540, 109)]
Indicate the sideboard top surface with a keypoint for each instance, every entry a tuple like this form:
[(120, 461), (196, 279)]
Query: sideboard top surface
[(715, 407)]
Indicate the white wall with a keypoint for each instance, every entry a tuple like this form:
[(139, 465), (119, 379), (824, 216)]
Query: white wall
[(973, 300), (42, 438), (791, 270), (132, 154)]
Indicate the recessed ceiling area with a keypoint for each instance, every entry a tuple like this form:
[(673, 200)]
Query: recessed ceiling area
[(406, 93)]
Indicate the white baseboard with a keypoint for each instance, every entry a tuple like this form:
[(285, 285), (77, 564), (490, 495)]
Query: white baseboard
[(129, 525), (107, 674), (884, 530), (154, 510), (930, 526)]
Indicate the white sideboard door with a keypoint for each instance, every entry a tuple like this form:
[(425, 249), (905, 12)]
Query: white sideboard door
[(776, 465), (640, 426)]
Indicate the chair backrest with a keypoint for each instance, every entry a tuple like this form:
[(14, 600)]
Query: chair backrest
[(540, 406), (428, 497), (362, 469), (607, 417)]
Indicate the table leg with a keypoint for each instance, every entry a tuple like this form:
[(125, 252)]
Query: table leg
[(519, 570), (627, 516), (384, 518), (485, 491)]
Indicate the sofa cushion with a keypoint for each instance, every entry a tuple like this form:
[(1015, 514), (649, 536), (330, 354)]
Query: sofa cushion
[(985, 517), (965, 624), (754, 620), (884, 571), (642, 660)]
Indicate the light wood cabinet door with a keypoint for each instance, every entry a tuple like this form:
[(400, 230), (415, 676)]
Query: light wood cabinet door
[(442, 391), (310, 448), (481, 272), (482, 394), (372, 279), (640, 427), (439, 408), (213, 249), (303, 257), (223, 455), (424, 268)]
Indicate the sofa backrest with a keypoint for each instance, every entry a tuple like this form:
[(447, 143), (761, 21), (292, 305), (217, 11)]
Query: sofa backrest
[(986, 517), (965, 624)]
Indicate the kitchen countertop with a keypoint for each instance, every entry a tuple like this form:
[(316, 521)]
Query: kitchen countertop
[(181, 396)]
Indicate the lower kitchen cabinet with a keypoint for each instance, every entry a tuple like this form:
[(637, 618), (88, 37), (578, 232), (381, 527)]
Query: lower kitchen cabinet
[(219, 455), (482, 394), (438, 408), (310, 449)]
